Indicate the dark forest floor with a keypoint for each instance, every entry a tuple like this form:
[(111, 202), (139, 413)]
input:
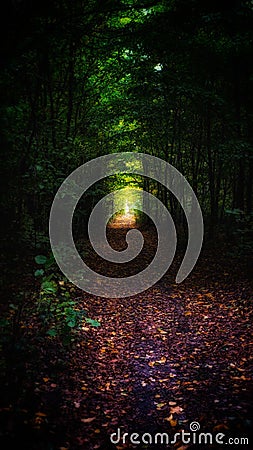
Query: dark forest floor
[(170, 356)]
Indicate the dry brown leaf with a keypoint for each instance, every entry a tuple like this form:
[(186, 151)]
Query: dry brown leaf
[(176, 410), (169, 418), (151, 363), (162, 360), (220, 427), (88, 420), (40, 414), (173, 422)]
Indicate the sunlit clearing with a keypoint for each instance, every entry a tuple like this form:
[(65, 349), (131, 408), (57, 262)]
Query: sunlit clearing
[(125, 219), (126, 205)]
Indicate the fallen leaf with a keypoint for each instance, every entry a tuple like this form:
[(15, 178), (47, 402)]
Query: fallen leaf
[(162, 331), (176, 410), (173, 422), (160, 405), (169, 418), (162, 360), (220, 427), (88, 420)]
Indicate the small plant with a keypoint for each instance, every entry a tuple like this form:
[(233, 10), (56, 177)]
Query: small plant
[(60, 314)]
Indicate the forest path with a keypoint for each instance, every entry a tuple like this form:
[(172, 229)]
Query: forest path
[(172, 355), (160, 360)]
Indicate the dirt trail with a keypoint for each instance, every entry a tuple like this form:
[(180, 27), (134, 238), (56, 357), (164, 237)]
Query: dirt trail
[(167, 357), (170, 356)]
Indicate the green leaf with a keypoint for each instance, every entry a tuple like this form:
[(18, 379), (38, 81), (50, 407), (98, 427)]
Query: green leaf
[(49, 287), (50, 261), (94, 323), (12, 306), (40, 259), (39, 272), (49, 277), (52, 332), (71, 323)]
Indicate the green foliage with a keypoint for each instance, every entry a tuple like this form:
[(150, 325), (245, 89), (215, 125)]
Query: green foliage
[(92, 322), (48, 287), (39, 272), (40, 259), (171, 79), (60, 315)]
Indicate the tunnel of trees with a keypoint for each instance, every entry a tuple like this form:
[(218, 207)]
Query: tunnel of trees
[(86, 78), (83, 79)]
